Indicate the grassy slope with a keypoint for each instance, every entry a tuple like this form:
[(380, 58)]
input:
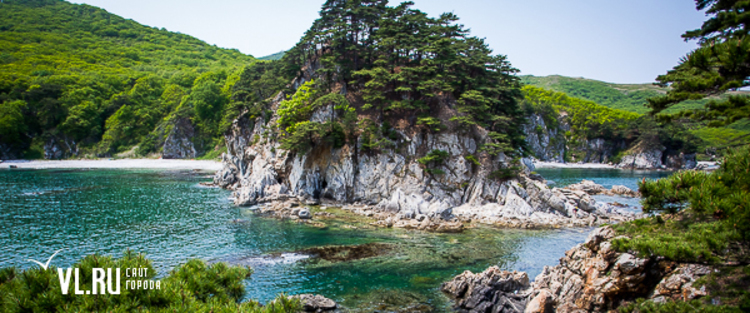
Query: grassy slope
[(633, 97), (273, 57)]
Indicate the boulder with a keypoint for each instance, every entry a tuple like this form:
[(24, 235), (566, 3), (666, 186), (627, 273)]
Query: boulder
[(588, 187), (621, 190), (304, 214)]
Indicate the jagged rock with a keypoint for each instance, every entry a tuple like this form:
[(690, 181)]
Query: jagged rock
[(592, 277), (315, 303), (178, 144), (392, 182), (679, 284), (643, 156), (490, 291), (543, 303)]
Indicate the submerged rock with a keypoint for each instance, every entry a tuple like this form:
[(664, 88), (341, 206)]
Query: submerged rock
[(593, 188), (348, 253), (315, 303), (304, 214)]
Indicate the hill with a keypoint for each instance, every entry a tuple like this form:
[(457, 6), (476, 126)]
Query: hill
[(83, 76), (273, 57), (633, 97)]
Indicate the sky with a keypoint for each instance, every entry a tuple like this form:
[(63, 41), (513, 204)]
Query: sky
[(613, 41)]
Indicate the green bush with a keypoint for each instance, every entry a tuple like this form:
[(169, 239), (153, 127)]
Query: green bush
[(433, 159), (192, 287), (709, 214)]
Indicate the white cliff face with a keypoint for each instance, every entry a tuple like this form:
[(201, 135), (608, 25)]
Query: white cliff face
[(391, 180), (546, 143)]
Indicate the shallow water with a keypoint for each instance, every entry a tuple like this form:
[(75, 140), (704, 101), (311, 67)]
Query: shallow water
[(168, 216), (606, 177), (562, 177)]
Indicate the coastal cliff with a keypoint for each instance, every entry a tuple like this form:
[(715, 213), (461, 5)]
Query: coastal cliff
[(468, 185)]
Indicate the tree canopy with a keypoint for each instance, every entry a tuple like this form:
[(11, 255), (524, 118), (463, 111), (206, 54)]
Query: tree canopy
[(404, 62), (721, 63)]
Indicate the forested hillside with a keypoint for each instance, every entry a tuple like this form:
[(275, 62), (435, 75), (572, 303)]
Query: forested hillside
[(93, 83), (633, 98)]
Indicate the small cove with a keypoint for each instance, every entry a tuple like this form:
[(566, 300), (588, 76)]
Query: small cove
[(171, 218)]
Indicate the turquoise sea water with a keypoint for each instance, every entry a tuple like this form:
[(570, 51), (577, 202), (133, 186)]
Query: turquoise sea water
[(171, 218)]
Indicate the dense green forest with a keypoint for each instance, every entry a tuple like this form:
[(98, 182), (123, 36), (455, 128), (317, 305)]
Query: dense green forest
[(589, 120), (634, 98), (99, 85), (78, 74)]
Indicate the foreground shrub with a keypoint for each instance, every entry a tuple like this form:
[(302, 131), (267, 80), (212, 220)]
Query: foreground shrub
[(707, 215), (192, 287)]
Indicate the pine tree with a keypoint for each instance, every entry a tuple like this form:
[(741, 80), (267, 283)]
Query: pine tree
[(721, 63)]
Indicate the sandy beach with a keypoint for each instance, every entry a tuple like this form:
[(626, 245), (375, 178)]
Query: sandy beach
[(538, 164), (118, 163)]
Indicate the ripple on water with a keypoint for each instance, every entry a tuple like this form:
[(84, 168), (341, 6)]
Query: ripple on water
[(167, 217)]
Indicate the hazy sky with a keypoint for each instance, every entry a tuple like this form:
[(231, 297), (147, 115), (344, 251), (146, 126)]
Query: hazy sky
[(615, 41)]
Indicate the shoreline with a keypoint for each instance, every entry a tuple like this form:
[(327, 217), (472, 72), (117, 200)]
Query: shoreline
[(539, 164), (175, 164)]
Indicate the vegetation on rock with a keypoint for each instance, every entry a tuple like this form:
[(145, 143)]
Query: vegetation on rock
[(396, 62)]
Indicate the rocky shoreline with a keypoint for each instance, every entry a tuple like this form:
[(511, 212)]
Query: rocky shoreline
[(516, 213), (591, 277)]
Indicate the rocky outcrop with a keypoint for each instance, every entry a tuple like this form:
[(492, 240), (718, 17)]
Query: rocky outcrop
[(493, 290), (592, 188), (179, 144), (591, 277), (56, 148), (546, 143), (393, 183), (656, 156), (640, 157)]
